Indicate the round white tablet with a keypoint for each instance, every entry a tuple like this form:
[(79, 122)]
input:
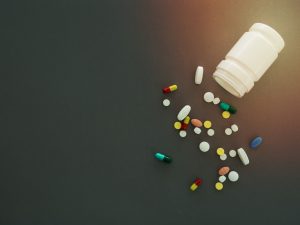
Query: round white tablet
[(216, 101), (228, 131), (234, 128), (184, 112), (197, 130), (199, 75), (166, 102), (223, 157), (232, 153), (210, 132), (208, 97), (222, 179), (182, 133), (233, 176), (204, 146)]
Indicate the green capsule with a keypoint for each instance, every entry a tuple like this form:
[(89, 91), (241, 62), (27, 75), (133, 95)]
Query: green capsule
[(163, 157), (225, 106), (232, 110)]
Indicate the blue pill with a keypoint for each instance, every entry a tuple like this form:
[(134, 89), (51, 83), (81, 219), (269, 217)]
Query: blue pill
[(255, 142)]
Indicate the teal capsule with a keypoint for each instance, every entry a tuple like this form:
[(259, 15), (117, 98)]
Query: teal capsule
[(163, 157), (227, 107)]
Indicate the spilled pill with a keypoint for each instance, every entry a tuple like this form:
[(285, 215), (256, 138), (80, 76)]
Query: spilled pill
[(210, 132), (220, 151), (234, 128), (216, 101), (255, 142), (166, 102), (170, 88), (208, 97), (228, 131), (204, 146), (197, 130), (223, 157), (232, 153), (184, 112), (219, 186), (243, 156), (197, 182), (163, 157), (185, 123), (224, 170), (196, 123), (199, 75), (207, 124), (233, 176), (177, 125), (225, 114), (222, 179), (182, 133)]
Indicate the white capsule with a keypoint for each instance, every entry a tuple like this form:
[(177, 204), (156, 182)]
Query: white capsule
[(199, 75), (222, 179), (184, 112), (223, 157), (208, 97), (234, 128), (243, 156), (233, 176), (228, 131), (232, 153), (216, 101), (210, 132), (166, 102), (204, 146), (182, 133), (197, 130)]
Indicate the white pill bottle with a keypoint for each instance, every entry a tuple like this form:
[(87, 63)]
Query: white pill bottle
[(249, 59)]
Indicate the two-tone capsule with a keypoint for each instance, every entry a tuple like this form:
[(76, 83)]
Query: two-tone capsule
[(196, 184), (185, 123), (170, 89), (227, 107), (163, 157)]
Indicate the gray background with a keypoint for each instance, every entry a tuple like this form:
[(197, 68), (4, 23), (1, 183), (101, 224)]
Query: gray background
[(81, 114)]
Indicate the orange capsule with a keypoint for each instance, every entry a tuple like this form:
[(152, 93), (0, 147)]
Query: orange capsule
[(170, 88)]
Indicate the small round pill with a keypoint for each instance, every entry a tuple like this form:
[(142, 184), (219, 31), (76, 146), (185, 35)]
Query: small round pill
[(210, 132), (228, 131), (233, 176), (224, 170), (197, 130), (216, 101), (196, 123), (177, 125), (204, 146), (232, 153), (223, 157), (234, 128), (209, 97), (255, 142), (220, 151), (182, 133), (222, 179), (166, 102), (225, 114), (207, 124), (219, 186)]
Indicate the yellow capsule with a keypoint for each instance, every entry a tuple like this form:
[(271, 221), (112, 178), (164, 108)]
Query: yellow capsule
[(207, 124), (177, 125), (173, 87), (220, 151), (194, 187), (219, 186), (225, 114)]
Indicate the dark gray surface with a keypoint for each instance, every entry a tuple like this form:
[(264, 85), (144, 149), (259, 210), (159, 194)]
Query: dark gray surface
[(81, 114)]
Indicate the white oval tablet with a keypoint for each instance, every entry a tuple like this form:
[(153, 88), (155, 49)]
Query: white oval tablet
[(222, 179), (243, 156), (228, 131), (197, 130), (208, 97), (184, 112), (210, 132), (234, 128), (166, 102), (182, 133), (199, 75), (204, 146), (216, 101), (232, 153), (223, 157), (233, 176)]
